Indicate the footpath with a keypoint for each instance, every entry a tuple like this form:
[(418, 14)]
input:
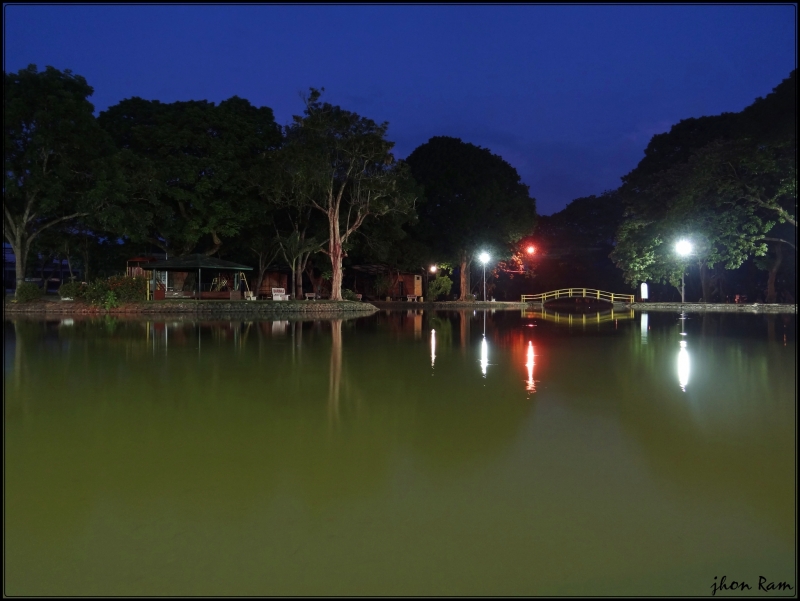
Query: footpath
[(713, 307)]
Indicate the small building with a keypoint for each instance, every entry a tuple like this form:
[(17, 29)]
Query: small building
[(370, 281), (273, 279)]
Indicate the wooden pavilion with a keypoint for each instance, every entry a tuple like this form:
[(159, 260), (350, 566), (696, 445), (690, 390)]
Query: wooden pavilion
[(182, 277)]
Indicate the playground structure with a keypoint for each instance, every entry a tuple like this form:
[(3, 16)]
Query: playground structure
[(609, 297), (223, 283)]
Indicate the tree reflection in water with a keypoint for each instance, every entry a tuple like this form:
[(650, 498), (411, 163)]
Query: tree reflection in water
[(335, 374)]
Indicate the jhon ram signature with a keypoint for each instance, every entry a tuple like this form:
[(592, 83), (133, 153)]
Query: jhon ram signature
[(741, 585)]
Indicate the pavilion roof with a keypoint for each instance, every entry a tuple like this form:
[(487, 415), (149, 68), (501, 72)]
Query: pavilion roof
[(195, 262)]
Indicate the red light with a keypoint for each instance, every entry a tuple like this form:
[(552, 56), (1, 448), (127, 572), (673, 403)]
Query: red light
[(531, 250)]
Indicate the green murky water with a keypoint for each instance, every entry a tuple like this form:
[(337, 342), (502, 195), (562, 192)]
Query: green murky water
[(400, 454)]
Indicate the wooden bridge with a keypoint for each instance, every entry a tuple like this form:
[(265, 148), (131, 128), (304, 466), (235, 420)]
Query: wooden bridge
[(610, 297)]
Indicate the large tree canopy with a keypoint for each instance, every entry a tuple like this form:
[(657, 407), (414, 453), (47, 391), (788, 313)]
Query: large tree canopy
[(342, 166), (58, 161), (721, 182), (572, 246), (474, 201), (189, 167)]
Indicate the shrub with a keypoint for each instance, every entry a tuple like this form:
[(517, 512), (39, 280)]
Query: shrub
[(110, 301), (127, 289), (348, 295), (95, 292), (27, 292), (123, 289), (441, 285), (70, 290)]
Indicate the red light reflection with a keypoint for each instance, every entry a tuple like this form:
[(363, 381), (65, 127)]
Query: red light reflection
[(531, 387)]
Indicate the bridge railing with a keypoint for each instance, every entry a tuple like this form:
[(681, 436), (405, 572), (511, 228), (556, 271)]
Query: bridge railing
[(612, 297)]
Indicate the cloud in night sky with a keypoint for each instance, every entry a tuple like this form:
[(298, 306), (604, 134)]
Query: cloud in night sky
[(569, 95)]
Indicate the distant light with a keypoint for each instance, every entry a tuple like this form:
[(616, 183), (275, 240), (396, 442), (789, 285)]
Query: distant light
[(433, 268), (530, 250), (683, 247), (484, 257)]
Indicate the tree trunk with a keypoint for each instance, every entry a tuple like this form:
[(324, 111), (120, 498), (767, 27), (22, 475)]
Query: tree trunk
[(315, 282), (298, 275), (292, 278), (465, 284), (705, 282), (335, 247), (20, 260), (85, 254), (723, 297), (773, 272)]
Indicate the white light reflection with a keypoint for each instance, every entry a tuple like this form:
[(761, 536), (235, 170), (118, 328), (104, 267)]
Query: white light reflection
[(683, 366), (433, 347), (484, 356), (644, 328), (531, 387)]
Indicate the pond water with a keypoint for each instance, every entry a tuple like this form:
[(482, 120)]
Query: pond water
[(404, 453)]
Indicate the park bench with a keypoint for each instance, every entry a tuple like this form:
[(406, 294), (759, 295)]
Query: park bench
[(279, 294), (311, 296), (411, 298)]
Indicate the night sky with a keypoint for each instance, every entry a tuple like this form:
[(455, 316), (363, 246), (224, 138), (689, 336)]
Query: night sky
[(569, 95)]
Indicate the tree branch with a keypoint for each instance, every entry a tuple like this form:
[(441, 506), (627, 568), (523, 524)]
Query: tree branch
[(779, 240), (9, 222), (52, 223)]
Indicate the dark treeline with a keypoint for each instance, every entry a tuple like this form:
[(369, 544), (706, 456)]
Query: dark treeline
[(726, 183), (315, 195), (325, 192)]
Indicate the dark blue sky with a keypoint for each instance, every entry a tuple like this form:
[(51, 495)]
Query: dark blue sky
[(569, 95)]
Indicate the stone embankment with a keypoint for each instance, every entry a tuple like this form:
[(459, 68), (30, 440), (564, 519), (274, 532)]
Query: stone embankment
[(444, 306), (205, 308), (714, 307)]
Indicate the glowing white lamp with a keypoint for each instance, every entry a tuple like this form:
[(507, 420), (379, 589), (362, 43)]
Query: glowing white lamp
[(484, 258), (684, 249)]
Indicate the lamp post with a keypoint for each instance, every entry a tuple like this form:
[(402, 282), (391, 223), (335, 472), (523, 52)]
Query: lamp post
[(484, 258), (684, 249)]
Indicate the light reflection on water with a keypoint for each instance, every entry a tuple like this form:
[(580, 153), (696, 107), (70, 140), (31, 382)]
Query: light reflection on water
[(320, 457), (529, 363), (683, 366)]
